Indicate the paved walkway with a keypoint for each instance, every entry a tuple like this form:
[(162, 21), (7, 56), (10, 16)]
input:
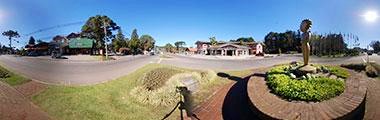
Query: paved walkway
[(373, 100), (228, 103), (231, 102), (14, 106)]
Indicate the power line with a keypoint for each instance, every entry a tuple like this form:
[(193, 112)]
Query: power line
[(54, 27)]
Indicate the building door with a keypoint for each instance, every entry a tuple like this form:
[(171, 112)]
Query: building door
[(229, 52)]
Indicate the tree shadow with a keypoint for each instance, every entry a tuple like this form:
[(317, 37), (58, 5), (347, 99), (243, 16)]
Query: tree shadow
[(236, 105)]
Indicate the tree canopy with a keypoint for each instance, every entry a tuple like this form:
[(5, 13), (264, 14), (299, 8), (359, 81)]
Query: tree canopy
[(169, 47), (11, 34), (93, 29), (134, 43), (147, 42), (213, 41), (32, 41), (243, 39), (376, 46), (119, 41), (179, 44)]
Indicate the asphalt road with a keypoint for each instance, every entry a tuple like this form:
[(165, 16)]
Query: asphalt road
[(66, 72), (223, 65)]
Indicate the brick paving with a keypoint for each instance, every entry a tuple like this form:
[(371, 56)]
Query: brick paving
[(31, 88), (228, 103), (14, 106), (373, 100), (215, 108)]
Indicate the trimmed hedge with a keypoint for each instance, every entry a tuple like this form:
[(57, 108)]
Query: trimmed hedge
[(313, 89)]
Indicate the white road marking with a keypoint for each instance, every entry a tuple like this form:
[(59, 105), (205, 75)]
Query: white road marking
[(159, 61)]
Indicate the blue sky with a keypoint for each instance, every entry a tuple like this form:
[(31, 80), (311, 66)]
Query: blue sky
[(192, 20)]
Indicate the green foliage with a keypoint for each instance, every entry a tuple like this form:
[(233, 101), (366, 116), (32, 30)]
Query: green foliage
[(278, 69), (338, 71), (287, 41), (119, 41), (32, 41), (134, 43), (313, 89), (371, 71), (328, 45), (352, 52), (213, 41), (376, 46), (179, 44), (147, 42), (4, 73), (11, 78), (157, 77), (355, 66), (169, 48), (11, 34), (94, 29)]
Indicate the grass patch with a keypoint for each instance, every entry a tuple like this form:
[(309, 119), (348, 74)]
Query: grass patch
[(113, 100), (338, 71), (11, 78), (313, 89)]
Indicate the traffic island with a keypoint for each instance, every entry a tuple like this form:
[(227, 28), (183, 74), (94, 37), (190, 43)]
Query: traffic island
[(268, 105)]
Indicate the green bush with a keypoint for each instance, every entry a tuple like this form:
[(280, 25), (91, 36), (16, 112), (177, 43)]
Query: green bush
[(4, 73), (371, 71), (355, 66), (314, 89), (352, 52), (157, 77)]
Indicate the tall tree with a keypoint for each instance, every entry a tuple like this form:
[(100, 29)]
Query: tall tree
[(119, 41), (94, 28), (169, 47), (134, 43), (213, 41), (179, 44), (147, 42), (376, 46), (11, 34), (32, 41)]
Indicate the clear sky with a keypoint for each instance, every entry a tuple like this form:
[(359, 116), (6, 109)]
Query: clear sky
[(192, 20)]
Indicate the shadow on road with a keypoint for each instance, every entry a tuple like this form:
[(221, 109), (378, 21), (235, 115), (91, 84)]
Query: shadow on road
[(236, 105)]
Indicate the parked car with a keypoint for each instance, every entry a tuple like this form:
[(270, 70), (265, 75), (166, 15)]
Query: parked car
[(33, 54), (370, 52)]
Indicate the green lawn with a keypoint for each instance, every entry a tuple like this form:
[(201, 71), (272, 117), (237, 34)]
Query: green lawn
[(111, 101), (12, 78)]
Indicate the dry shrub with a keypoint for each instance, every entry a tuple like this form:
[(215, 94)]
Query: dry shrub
[(157, 77), (166, 94)]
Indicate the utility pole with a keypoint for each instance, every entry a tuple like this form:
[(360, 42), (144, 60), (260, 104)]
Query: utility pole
[(105, 37)]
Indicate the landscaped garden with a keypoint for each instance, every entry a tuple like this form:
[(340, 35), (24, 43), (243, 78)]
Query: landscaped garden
[(11, 78), (285, 81), (147, 93)]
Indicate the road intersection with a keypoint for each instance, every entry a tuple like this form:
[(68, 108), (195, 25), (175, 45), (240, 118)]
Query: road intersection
[(66, 72)]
